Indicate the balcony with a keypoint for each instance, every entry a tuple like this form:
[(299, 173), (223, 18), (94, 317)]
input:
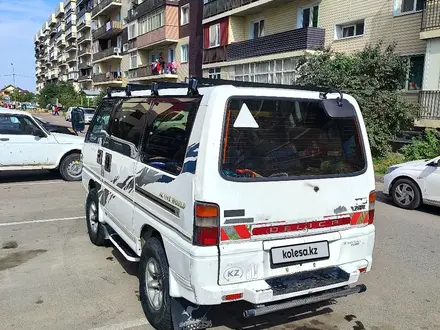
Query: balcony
[(84, 37), (71, 47), (148, 6), (429, 115), (71, 35), (107, 78), (112, 52), (59, 12), (61, 40), (147, 73), (430, 20), (287, 41), (54, 57), (165, 35), (243, 7), (105, 6), (108, 30), (72, 76), (84, 22), (84, 51), (71, 58), (132, 44), (84, 77), (53, 31), (85, 65), (52, 21)]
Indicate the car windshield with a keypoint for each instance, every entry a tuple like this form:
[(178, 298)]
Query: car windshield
[(267, 138), (89, 111)]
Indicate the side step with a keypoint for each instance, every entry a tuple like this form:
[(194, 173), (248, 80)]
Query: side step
[(322, 296), (125, 250)]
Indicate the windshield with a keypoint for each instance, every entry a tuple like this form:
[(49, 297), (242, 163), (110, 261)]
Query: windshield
[(288, 138), (89, 111)]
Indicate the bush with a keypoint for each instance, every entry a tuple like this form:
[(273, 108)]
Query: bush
[(374, 76), (424, 147), (381, 164)]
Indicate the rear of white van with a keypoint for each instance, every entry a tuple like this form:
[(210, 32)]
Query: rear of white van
[(284, 187)]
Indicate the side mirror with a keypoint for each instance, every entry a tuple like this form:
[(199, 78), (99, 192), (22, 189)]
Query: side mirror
[(38, 133), (435, 163)]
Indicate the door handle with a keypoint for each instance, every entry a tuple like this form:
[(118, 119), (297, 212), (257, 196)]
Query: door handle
[(108, 162), (99, 157), (4, 139)]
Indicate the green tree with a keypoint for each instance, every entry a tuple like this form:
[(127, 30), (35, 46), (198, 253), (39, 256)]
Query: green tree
[(64, 92), (374, 76), (97, 100)]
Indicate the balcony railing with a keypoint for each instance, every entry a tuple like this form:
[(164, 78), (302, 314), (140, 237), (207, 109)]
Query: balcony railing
[(107, 53), (71, 47), (83, 24), (72, 58), (103, 4), (132, 44), (86, 50), (84, 65), (106, 77), (287, 41), (163, 34), (108, 30), (83, 77), (73, 76), (71, 35), (431, 15), (150, 71), (429, 105), (215, 7), (146, 7), (84, 37)]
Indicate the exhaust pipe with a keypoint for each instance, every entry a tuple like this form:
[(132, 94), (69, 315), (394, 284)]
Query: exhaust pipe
[(263, 310)]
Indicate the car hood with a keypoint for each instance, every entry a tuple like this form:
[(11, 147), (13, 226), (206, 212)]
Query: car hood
[(415, 163), (67, 138)]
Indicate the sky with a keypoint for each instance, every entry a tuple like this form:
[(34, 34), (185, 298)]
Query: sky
[(20, 20)]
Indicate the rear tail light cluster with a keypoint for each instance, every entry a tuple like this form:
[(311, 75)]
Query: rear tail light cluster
[(206, 224), (372, 200)]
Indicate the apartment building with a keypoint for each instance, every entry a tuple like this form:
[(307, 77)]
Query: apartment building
[(152, 39), (70, 46), (84, 42), (107, 28), (261, 40)]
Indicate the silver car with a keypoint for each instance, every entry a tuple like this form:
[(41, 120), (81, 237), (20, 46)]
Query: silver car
[(88, 115)]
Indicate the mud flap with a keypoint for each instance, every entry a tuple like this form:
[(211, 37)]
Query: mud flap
[(188, 316)]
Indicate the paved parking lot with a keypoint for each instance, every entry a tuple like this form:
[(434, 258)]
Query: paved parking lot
[(52, 277)]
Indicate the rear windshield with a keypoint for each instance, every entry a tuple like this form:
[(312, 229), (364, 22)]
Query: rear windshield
[(285, 138)]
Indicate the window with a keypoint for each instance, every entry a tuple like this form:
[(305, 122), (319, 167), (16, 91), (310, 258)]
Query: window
[(133, 60), (284, 138), (184, 14), (308, 17), (407, 6), (184, 53), (415, 72), (169, 133), (257, 29), (350, 30), (100, 122), (17, 125), (132, 31), (127, 127), (276, 71), (215, 73), (151, 21), (214, 35)]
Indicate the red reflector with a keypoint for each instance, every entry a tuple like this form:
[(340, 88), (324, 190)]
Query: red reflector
[(301, 226), (363, 269), (370, 216), (233, 296), (206, 236)]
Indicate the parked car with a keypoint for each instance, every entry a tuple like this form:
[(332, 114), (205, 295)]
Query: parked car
[(55, 128), (246, 192), (414, 183), (26, 145), (88, 115)]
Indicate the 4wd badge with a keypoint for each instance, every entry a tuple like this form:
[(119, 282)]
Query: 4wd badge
[(233, 273)]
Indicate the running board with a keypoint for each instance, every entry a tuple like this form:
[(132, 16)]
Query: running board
[(323, 296), (125, 250)]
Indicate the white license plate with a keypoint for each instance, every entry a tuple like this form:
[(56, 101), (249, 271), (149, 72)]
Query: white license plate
[(299, 253)]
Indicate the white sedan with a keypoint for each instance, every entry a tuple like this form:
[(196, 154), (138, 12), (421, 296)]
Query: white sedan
[(413, 183), (27, 145)]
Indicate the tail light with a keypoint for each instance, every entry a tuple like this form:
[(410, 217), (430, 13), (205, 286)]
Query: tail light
[(206, 224), (372, 200)]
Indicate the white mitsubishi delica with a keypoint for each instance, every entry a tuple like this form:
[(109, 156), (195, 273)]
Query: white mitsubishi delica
[(229, 191)]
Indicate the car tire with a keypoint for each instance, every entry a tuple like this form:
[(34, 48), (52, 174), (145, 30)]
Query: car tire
[(95, 229), (406, 194), (69, 169), (154, 271)]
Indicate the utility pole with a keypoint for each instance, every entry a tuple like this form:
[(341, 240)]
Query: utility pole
[(195, 38), (15, 87)]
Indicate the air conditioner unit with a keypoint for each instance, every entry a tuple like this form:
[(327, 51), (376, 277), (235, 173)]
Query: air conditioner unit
[(124, 47), (117, 50)]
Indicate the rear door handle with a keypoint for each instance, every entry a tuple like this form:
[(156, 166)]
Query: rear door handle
[(4, 139), (99, 157), (108, 162)]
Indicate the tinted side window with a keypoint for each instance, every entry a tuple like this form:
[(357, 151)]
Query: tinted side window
[(16, 125), (168, 131), (100, 123)]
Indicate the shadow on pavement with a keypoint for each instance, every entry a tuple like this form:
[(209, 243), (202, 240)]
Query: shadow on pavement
[(30, 176), (423, 208)]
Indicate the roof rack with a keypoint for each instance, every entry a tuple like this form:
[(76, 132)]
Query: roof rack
[(195, 83)]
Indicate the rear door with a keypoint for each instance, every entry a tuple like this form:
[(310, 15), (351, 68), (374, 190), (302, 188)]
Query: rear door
[(286, 169)]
